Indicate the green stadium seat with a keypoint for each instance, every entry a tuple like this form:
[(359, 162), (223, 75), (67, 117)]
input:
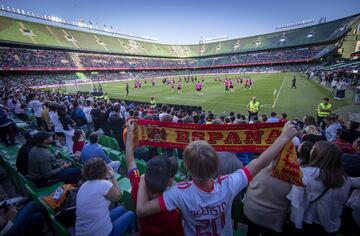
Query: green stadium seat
[(112, 143), (103, 140), (179, 178), (116, 155), (124, 184), (107, 150), (141, 165), (182, 167), (126, 199), (123, 163)]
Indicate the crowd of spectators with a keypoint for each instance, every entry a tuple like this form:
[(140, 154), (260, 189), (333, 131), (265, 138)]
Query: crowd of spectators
[(33, 58), (58, 78), (329, 157), (338, 80)]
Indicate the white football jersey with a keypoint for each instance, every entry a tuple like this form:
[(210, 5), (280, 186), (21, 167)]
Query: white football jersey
[(206, 213)]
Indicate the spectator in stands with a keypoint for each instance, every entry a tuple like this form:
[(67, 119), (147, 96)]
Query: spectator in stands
[(283, 117), (23, 154), (265, 204), (93, 201), (304, 150), (36, 107), (19, 109), (309, 120), (159, 175), (264, 118), (273, 118), (316, 208), (7, 136), (68, 126), (79, 141), (351, 162), (45, 117), (201, 162), (104, 120), (87, 110), (43, 167), (26, 220), (95, 116), (57, 126), (332, 126), (342, 141), (228, 163), (312, 134), (354, 133), (93, 150), (77, 115), (164, 111), (116, 125)]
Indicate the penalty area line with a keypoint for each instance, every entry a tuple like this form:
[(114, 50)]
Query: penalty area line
[(277, 96)]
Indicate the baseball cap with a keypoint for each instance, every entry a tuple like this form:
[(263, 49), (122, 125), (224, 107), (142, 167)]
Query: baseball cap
[(41, 136)]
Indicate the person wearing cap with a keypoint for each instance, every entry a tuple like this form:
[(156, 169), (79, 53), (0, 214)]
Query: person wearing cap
[(23, 154), (43, 167), (253, 107), (324, 110)]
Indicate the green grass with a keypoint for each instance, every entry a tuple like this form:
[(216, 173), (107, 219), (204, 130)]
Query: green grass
[(296, 103)]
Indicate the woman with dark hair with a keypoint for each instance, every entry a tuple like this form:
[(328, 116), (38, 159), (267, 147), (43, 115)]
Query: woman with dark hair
[(304, 151), (317, 206), (79, 141), (309, 120), (93, 200)]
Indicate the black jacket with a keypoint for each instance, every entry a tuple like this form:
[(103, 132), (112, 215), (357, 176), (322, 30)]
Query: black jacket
[(116, 123), (22, 158)]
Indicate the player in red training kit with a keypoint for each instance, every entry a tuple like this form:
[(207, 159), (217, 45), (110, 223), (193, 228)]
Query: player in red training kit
[(198, 87)]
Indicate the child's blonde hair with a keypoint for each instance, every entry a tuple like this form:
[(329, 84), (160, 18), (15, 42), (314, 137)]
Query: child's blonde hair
[(201, 160)]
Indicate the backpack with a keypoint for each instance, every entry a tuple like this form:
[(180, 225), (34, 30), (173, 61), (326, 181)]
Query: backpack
[(57, 199), (67, 213)]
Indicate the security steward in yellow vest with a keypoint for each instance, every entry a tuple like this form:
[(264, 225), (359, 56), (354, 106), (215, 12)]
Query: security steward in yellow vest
[(324, 110), (153, 103), (253, 108)]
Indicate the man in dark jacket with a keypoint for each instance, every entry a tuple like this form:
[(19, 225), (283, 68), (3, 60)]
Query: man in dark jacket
[(23, 154), (44, 169), (116, 125), (6, 135), (78, 116)]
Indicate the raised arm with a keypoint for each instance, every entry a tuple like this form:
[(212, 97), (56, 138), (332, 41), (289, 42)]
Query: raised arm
[(145, 207), (129, 147), (289, 131), (114, 193)]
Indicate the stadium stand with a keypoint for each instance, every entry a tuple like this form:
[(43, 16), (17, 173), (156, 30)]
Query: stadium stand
[(17, 31), (18, 59)]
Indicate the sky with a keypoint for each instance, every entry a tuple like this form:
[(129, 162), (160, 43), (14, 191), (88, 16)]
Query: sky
[(187, 21)]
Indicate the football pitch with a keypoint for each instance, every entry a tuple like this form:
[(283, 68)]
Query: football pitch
[(295, 102)]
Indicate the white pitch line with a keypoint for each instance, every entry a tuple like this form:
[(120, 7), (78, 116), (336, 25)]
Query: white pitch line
[(277, 96)]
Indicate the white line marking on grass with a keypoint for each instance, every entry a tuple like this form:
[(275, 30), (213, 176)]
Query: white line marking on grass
[(277, 96)]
